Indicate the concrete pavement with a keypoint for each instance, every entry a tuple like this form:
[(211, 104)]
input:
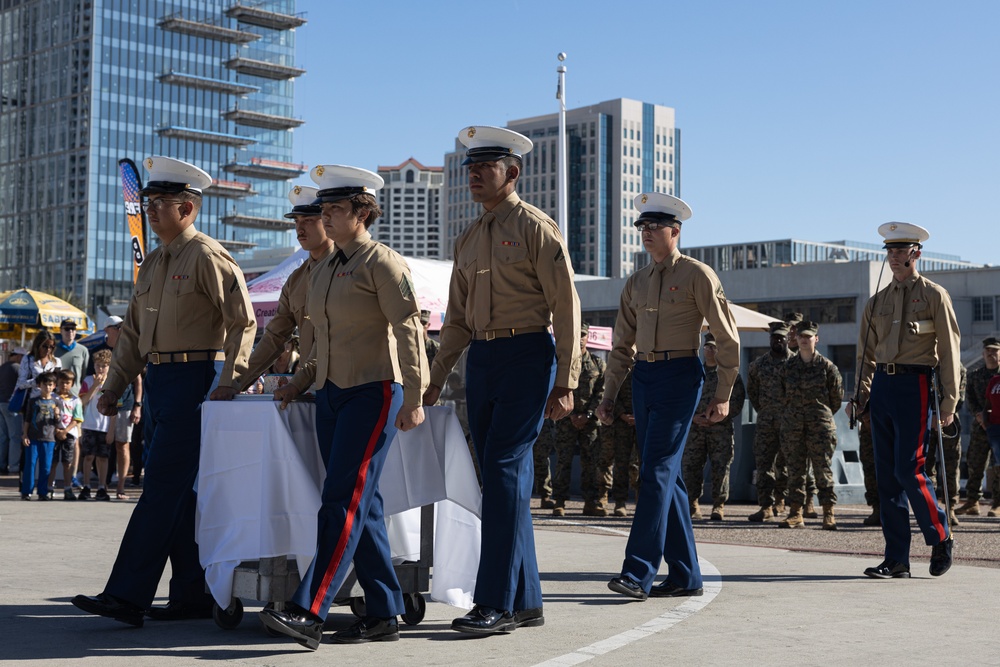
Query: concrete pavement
[(768, 606)]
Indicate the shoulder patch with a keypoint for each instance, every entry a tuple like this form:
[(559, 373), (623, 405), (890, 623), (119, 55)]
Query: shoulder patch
[(406, 287), (560, 256), (719, 292)]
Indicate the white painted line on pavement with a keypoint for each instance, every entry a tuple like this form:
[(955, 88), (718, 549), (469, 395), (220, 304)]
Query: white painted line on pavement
[(712, 585)]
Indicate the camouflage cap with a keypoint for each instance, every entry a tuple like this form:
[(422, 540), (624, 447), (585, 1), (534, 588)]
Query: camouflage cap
[(778, 328), (425, 316), (990, 343), (584, 329), (807, 328), (710, 339), (791, 319)]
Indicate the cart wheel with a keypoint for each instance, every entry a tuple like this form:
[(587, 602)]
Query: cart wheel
[(228, 618), (358, 607), (415, 607)]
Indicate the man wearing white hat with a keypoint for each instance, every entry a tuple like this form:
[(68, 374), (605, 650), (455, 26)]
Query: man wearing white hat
[(657, 335), (908, 334), (190, 323), (308, 216), (512, 279)]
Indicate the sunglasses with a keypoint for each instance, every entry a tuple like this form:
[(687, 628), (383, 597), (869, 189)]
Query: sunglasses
[(652, 226)]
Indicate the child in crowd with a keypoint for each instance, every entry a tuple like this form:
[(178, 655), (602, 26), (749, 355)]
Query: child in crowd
[(98, 430), (41, 418), (71, 416)]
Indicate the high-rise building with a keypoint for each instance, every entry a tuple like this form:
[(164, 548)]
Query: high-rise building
[(86, 83), (615, 150), (411, 210)]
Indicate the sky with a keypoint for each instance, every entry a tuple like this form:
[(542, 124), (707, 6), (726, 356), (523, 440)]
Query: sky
[(810, 120)]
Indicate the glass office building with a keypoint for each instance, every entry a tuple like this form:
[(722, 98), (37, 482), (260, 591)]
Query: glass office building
[(84, 83)]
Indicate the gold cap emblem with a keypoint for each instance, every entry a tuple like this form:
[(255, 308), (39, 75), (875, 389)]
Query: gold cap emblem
[(149, 163), (644, 198), (364, 188), (892, 228), (320, 170), (297, 189), (472, 132)]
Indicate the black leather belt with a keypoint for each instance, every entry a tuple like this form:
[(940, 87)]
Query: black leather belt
[(903, 369), (157, 358), (664, 356), (507, 333)]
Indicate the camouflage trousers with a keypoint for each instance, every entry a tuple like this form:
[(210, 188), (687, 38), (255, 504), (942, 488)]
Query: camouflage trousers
[(714, 444), (952, 458), (781, 478), (866, 452), (569, 440), (618, 465), (804, 441), (542, 450), (766, 445), (977, 459)]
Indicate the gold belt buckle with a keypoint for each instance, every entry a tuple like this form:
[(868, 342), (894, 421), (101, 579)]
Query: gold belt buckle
[(154, 358), (491, 334), (651, 357), (890, 369)]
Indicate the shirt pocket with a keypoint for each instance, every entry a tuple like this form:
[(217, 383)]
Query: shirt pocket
[(509, 254), (182, 288)]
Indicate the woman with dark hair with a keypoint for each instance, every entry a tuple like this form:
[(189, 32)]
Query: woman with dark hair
[(41, 359), (369, 367)]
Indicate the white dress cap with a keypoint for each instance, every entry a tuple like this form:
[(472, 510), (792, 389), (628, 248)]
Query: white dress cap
[(303, 198), (902, 234), (170, 176), (487, 144), (662, 207), (338, 181)]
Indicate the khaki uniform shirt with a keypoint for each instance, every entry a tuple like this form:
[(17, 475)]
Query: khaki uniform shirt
[(367, 322), (915, 303), (291, 315), (189, 295), (690, 292), (531, 286)]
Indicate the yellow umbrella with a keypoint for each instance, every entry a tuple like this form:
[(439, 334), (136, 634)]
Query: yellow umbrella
[(29, 309)]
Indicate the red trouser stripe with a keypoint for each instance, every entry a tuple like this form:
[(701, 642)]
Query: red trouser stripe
[(352, 509), (921, 476)]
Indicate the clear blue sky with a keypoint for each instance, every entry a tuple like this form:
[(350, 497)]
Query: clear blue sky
[(812, 120)]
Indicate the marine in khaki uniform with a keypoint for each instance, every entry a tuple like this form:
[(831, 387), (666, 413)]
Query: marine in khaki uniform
[(908, 334), (711, 442), (578, 433), (619, 464), (657, 335), (764, 392), (813, 392), (369, 369), (190, 323), (512, 278), (291, 314), (979, 454)]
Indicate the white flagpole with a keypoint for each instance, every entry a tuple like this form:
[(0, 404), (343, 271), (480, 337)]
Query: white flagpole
[(562, 211)]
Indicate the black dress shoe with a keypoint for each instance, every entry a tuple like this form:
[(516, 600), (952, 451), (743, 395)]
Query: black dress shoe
[(529, 618), (628, 587), (669, 590), (941, 557), (110, 606), (296, 623), (889, 569), (485, 621), (179, 611), (368, 629)]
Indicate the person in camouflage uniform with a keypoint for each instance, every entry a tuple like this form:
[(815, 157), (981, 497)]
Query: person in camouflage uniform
[(713, 442), (813, 391), (764, 392), (780, 467), (431, 346), (978, 456), (619, 462), (866, 452), (579, 432), (951, 441), (542, 451)]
